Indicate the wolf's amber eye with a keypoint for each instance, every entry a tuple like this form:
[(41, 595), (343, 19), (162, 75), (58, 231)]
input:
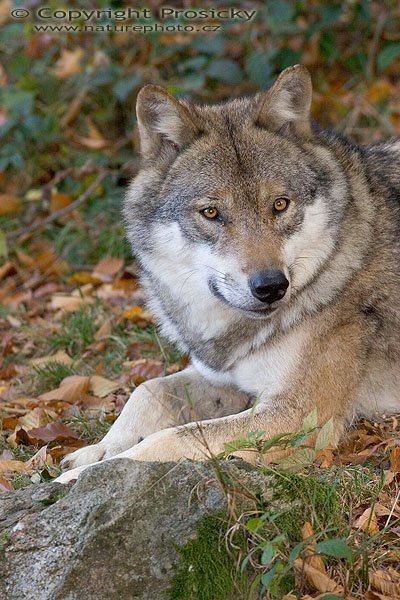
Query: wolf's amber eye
[(281, 204), (210, 212)]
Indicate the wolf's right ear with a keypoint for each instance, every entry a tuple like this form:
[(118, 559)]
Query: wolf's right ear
[(165, 124)]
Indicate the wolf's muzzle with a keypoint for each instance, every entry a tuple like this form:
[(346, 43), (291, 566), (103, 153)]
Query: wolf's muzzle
[(268, 286)]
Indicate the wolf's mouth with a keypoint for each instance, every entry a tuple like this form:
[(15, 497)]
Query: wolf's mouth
[(254, 313)]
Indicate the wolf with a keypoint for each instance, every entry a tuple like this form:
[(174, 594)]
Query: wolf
[(269, 251)]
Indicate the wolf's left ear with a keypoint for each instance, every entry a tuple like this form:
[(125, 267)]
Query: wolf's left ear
[(287, 101), (165, 124)]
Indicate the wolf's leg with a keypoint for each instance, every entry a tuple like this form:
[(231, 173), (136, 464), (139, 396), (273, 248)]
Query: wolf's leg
[(158, 404), (328, 380)]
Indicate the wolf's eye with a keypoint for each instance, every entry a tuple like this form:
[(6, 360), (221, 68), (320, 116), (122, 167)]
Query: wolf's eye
[(281, 204), (210, 212)]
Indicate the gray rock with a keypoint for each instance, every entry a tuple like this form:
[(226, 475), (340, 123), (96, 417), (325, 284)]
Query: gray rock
[(113, 534)]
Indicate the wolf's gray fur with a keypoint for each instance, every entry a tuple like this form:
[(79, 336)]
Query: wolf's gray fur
[(332, 341)]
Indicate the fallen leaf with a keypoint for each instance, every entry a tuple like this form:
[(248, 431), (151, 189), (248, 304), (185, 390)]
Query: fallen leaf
[(144, 369), (5, 8), (5, 486), (40, 459), (367, 522), (60, 357), (9, 204), (310, 556), (387, 582), (395, 460), (12, 466), (7, 269), (138, 316), (104, 330), (102, 387), (107, 268), (69, 63), (8, 372), (59, 200), (70, 390), (69, 303), (34, 418), (320, 581), (52, 432)]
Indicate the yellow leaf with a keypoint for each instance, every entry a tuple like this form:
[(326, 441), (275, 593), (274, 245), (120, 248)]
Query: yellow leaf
[(9, 204), (71, 389), (101, 386), (69, 63)]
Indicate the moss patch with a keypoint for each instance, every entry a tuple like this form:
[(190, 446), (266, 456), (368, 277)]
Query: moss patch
[(206, 571), (317, 502)]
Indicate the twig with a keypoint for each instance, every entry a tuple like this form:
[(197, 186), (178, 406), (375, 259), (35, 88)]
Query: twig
[(63, 211), (380, 26)]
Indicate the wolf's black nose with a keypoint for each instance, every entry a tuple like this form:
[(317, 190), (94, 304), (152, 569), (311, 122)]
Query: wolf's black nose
[(268, 286)]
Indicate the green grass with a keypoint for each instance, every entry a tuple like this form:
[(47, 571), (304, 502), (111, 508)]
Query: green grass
[(50, 375), (77, 332), (89, 428)]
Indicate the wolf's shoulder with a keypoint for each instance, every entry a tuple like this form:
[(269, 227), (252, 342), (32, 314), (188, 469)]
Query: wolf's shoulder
[(382, 162)]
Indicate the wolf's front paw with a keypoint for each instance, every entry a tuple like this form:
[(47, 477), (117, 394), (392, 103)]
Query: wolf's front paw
[(70, 475), (84, 456)]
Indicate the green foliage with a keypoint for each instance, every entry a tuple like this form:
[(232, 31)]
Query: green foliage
[(240, 57)]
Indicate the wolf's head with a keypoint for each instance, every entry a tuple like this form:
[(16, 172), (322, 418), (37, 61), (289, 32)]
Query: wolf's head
[(238, 203)]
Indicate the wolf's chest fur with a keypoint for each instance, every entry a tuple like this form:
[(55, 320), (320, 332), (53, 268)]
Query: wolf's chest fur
[(283, 198)]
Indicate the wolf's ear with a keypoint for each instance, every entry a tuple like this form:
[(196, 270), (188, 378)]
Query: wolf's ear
[(165, 125), (288, 101)]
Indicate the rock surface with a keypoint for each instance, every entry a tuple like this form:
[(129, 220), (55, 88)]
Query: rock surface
[(113, 534)]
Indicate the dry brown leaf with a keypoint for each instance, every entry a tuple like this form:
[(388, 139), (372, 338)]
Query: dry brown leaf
[(309, 550), (102, 387), (104, 330), (60, 356), (40, 459), (376, 596), (52, 432), (107, 268), (59, 200), (326, 458), (395, 460), (389, 477), (69, 63), (320, 581), (144, 369), (70, 390), (9, 204), (12, 466), (5, 8), (69, 303), (138, 316), (7, 269), (83, 278), (289, 597), (367, 522), (91, 143), (8, 372), (385, 581), (5, 486), (34, 418)]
